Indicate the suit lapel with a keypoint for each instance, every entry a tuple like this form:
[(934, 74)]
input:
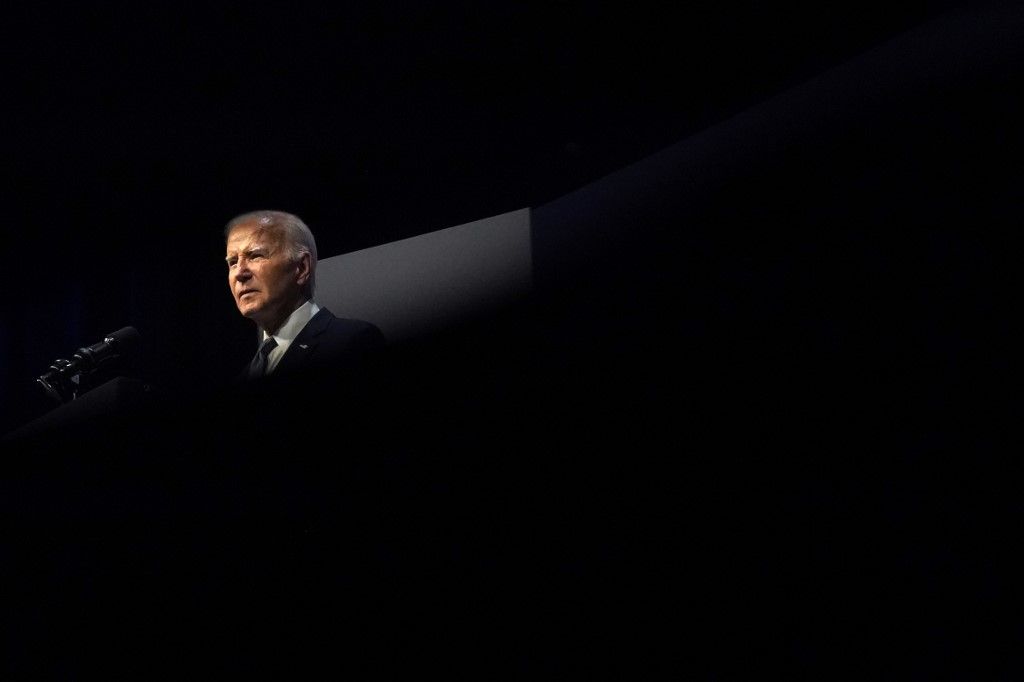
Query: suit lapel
[(306, 342)]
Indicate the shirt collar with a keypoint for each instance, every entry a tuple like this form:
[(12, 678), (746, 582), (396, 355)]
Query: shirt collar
[(293, 325)]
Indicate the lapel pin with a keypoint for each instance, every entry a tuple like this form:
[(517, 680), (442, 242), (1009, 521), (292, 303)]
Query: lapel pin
[(303, 346)]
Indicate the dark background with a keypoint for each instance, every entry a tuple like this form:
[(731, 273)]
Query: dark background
[(761, 424), (134, 133)]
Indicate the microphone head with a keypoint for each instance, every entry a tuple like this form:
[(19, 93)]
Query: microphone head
[(113, 345), (123, 338)]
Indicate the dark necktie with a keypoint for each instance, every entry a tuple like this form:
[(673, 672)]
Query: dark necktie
[(258, 366)]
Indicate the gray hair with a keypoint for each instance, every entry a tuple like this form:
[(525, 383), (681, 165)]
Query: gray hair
[(298, 238)]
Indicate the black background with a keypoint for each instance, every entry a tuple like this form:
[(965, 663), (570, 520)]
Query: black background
[(134, 133), (769, 434)]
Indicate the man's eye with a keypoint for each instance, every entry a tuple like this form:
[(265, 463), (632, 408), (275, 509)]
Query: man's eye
[(232, 262)]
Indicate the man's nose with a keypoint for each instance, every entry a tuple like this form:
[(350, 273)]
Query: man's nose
[(242, 272)]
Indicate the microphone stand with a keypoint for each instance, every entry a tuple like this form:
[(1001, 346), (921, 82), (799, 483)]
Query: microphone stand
[(67, 379), (66, 382), (57, 382)]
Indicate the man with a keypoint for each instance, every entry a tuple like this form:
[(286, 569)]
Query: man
[(271, 259)]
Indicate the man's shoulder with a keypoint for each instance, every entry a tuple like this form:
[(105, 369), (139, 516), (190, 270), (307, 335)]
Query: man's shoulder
[(331, 339), (330, 349), (348, 330)]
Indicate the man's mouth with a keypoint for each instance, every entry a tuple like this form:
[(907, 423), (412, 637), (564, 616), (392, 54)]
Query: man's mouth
[(246, 292)]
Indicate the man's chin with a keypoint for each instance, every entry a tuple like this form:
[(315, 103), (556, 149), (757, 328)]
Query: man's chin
[(250, 311)]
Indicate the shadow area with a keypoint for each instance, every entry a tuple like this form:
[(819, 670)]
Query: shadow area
[(767, 424)]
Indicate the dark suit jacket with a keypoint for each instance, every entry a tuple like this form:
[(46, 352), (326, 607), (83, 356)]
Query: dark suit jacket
[(329, 345)]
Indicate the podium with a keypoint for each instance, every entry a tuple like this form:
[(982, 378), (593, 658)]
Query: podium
[(110, 399)]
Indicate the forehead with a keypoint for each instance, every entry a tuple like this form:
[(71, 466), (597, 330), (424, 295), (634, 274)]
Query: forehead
[(248, 235)]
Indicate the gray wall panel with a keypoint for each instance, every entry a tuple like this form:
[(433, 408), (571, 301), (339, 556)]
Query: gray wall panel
[(417, 285)]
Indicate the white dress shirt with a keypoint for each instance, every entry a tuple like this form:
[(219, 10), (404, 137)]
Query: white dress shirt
[(288, 331)]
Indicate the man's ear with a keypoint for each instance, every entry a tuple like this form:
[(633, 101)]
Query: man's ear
[(302, 269)]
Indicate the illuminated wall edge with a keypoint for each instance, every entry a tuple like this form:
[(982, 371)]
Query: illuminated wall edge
[(421, 284)]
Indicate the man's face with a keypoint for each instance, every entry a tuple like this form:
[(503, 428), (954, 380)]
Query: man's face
[(266, 284)]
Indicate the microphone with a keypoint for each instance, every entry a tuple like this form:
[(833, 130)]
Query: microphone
[(63, 372)]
